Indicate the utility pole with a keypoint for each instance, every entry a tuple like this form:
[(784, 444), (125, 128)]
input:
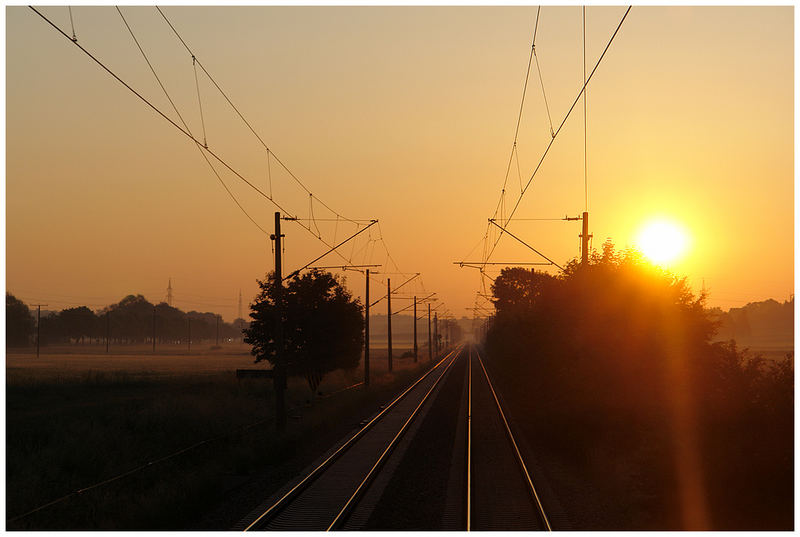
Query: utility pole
[(217, 344), (436, 331), (38, 325), (430, 349), (190, 332), (241, 319), (279, 370), (154, 329), (415, 329), (585, 239), (108, 318), (389, 316), (366, 333)]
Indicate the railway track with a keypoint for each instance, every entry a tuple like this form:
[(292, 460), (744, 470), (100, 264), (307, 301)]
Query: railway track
[(500, 494), (485, 466), (324, 498)]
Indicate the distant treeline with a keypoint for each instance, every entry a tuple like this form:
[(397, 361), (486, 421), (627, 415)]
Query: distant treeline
[(758, 324), (131, 320)]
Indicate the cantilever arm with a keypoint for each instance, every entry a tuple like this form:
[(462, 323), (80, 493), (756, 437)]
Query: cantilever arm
[(491, 221), (396, 288), (372, 223)]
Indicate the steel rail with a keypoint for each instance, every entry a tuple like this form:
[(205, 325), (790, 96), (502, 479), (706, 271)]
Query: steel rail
[(469, 441), (351, 502), (316, 472), (521, 461)]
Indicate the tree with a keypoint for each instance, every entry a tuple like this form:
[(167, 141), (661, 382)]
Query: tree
[(78, 323), (132, 318), (517, 289), (19, 322), (618, 352), (323, 326)]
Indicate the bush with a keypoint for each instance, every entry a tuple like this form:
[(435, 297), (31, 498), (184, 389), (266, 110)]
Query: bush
[(618, 353)]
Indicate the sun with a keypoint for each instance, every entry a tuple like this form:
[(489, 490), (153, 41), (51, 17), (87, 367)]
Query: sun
[(662, 241)]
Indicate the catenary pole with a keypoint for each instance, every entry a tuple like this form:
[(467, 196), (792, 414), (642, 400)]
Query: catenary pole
[(38, 325), (585, 239), (415, 329), (436, 331), (279, 370), (430, 348), (389, 316), (366, 332)]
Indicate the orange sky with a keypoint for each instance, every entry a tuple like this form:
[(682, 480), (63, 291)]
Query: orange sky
[(401, 114)]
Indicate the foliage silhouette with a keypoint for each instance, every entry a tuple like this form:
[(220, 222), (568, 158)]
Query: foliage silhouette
[(606, 350), (79, 323), (128, 321), (323, 326), (19, 322)]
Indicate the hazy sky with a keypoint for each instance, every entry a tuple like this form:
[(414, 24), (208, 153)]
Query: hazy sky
[(402, 114)]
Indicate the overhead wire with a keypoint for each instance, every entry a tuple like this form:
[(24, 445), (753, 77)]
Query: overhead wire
[(186, 131), (585, 122), (174, 107), (269, 174), (182, 130), (260, 139), (544, 93), (196, 62), (241, 116), (199, 101), (519, 173), (72, 24), (561, 125), (506, 218), (521, 107)]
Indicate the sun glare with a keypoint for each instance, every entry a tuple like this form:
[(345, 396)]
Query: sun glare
[(662, 241)]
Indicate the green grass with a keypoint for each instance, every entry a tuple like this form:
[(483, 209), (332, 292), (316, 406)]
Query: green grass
[(68, 431)]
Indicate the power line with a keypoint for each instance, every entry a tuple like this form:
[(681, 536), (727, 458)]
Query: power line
[(213, 169), (185, 132), (521, 106), (157, 110), (174, 107), (544, 94), (552, 140), (241, 116), (489, 250), (312, 219), (332, 249), (72, 24), (199, 101), (585, 122)]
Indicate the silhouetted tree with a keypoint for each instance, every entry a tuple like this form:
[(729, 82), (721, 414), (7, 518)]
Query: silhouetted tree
[(131, 319), (19, 322), (52, 329), (604, 349), (78, 323), (323, 326)]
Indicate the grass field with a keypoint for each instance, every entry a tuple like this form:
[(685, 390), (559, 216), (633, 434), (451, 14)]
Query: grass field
[(77, 419)]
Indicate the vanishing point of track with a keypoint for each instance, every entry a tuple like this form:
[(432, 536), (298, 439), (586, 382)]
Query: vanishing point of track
[(496, 487)]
